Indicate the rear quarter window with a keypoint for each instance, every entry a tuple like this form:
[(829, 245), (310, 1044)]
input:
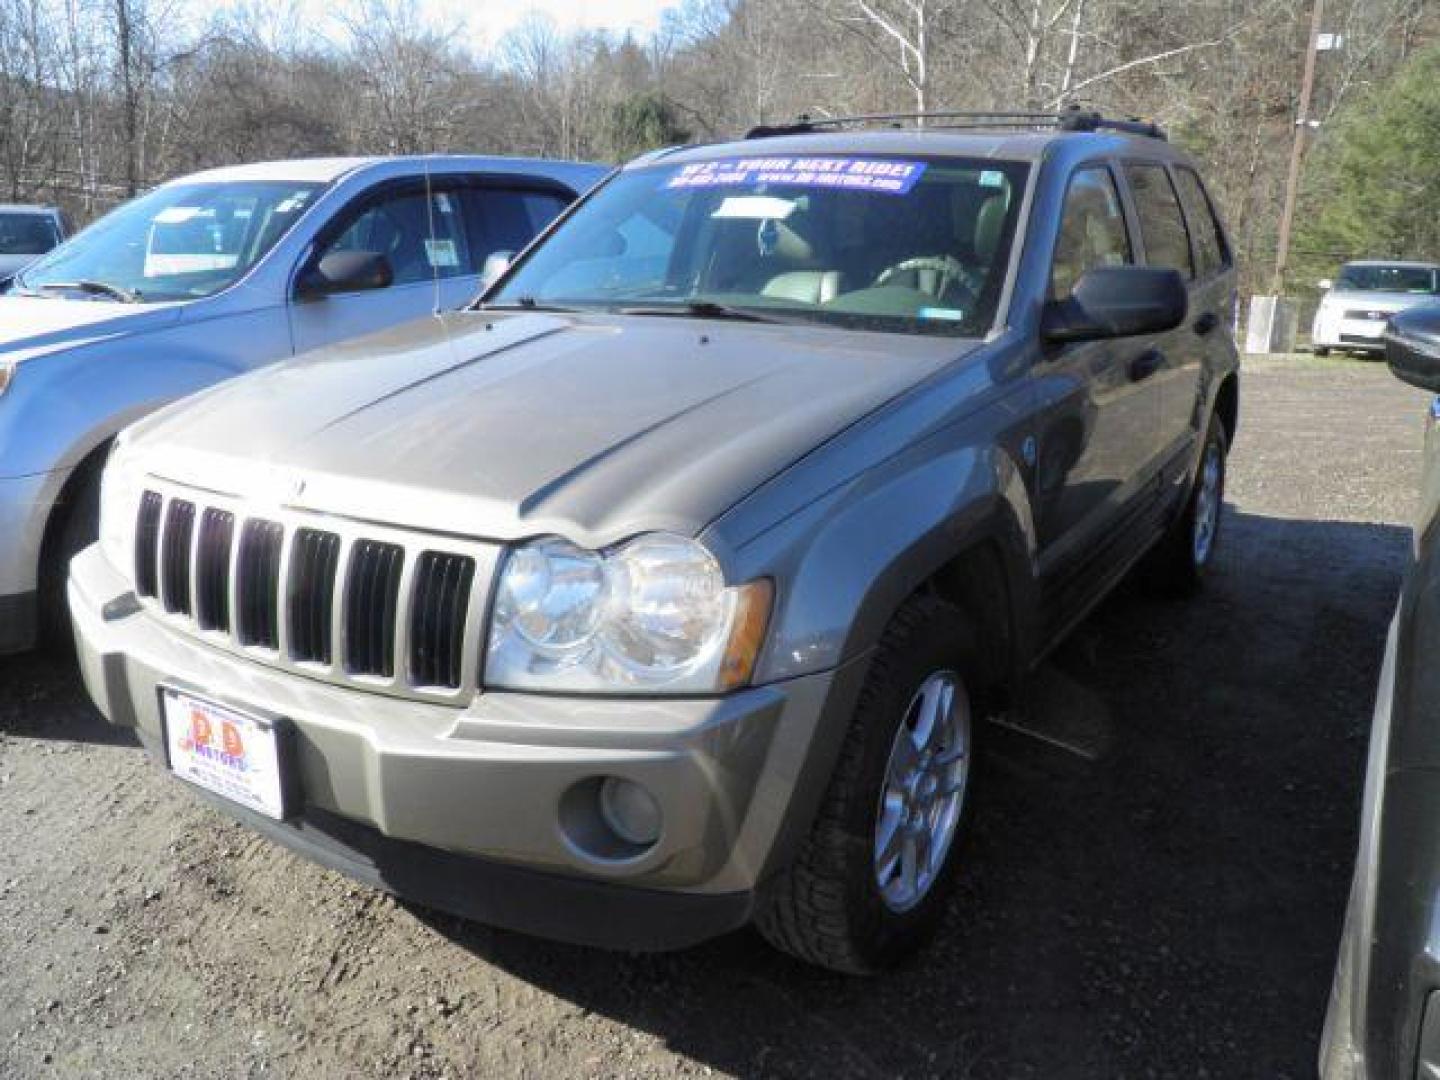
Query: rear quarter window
[(1210, 247), (1162, 225)]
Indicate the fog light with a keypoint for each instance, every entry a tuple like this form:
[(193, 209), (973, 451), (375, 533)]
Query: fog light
[(630, 811)]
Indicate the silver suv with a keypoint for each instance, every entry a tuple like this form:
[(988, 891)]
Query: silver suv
[(667, 588)]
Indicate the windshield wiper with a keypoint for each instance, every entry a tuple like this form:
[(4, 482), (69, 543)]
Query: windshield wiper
[(91, 288), (700, 309), (525, 303)]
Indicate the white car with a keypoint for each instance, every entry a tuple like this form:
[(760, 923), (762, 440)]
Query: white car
[(1356, 306), (210, 276)]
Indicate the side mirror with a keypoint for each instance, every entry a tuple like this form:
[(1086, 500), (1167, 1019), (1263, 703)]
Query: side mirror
[(1412, 346), (496, 263), (343, 272), (1117, 301), (1325, 284)]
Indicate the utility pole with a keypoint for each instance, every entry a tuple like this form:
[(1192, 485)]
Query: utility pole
[(1297, 151)]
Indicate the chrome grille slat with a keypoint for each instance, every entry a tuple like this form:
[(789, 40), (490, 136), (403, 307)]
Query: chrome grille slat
[(348, 602), (147, 543), (314, 557), (175, 541), (372, 595), (212, 570), (439, 606), (259, 583)]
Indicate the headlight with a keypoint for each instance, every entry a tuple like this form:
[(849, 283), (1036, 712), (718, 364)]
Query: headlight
[(7, 373), (653, 615)]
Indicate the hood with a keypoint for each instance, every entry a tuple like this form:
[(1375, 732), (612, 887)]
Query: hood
[(32, 326), (590, 427), (1361, 300), (10, 265)]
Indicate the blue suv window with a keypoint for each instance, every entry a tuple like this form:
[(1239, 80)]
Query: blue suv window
[(1162, 225)]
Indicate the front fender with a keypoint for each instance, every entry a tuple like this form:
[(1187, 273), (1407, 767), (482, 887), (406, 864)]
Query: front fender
[(60, 407), (846, 563)]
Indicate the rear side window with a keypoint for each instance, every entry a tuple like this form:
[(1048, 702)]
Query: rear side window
[(1092, 230), (1162, 226), (1209, 240), (506, 219)]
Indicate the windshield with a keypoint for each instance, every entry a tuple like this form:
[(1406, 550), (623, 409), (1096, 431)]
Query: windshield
[(27, 234), (1396, 279), (179, 242), (918, 246)]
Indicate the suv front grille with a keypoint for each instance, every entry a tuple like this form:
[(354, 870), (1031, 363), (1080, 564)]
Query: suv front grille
[(147, 544), (212, 570), (175, 556), (394, 611), (258, 583), (313, 559), (437, 638), (371, 597)]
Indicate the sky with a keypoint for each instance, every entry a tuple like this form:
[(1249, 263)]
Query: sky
[(489, 19), (486, 21)]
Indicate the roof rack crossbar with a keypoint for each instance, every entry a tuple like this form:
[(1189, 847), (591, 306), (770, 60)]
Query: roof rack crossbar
[(1072, 119)]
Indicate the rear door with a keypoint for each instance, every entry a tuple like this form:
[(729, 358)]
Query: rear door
[(436, 234), (1166, 240), (1212, 304)]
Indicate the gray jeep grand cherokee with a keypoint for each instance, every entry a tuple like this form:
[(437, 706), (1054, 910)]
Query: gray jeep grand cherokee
[(665, 589)]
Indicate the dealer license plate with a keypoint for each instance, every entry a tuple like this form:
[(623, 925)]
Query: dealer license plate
[(225, 750)]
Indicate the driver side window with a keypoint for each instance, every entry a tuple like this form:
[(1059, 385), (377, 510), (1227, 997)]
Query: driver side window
[(1092, 230), (422, 236)]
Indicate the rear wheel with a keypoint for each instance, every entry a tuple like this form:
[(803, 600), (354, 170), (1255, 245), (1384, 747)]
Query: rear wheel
[(871, 880), (1181, 559), (1321, 350)]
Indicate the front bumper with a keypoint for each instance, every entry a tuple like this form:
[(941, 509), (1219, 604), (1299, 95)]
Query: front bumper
[(474, 809), (1338, 332)]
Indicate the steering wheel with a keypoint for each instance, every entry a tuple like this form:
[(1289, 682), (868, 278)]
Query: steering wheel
[(949, 278)]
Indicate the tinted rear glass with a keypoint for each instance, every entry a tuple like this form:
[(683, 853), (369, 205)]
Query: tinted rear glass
[(1209, 241), (1162, 228)]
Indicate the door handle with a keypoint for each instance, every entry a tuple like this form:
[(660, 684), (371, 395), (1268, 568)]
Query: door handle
[(1206, 323), (1146, 364)]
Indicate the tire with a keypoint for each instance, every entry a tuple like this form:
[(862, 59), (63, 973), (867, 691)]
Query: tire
[(1320, 350), (77, 529), (829, 906), (1180, 561)]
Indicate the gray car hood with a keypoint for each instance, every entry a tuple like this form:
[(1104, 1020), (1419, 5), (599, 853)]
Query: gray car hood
[(504, 426)]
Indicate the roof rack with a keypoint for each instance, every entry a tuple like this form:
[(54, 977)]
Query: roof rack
[(1073, 118)]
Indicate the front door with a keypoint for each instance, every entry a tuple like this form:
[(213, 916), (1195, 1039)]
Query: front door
[(421, 230), (1100, 400)]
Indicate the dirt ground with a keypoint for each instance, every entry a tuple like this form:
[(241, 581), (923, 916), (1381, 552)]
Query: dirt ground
[(1159, 896)]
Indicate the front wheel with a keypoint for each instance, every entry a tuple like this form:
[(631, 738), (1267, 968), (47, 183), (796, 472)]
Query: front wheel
[(1321, 350), (76, 528), (872, 878)]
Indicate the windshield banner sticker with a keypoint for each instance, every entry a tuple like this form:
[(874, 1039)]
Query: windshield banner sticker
[(851, 174)]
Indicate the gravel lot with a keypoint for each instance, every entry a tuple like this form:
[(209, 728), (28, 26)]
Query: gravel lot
[(1163, 898)]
